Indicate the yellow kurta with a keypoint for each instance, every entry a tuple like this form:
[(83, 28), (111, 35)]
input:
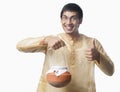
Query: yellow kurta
[(81, 69)]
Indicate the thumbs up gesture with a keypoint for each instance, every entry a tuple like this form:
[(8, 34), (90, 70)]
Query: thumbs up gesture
[(92, 53)]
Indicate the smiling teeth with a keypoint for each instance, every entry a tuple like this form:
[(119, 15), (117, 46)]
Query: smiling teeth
[(68, 27)]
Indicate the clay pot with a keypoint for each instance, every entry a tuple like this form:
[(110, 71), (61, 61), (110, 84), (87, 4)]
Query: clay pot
[(58, 81)]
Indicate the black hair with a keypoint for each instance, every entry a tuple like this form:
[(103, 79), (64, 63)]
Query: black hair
[(74, 8)]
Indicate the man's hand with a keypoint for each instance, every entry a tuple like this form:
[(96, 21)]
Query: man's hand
[(54, 42), (92, 53)]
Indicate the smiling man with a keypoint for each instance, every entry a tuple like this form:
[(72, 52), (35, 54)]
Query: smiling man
[(82, 53)]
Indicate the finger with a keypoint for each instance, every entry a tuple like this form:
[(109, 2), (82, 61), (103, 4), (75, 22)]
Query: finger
[(59, 45), (88, 50), (62, 43), (56, 46), (93, 43), (88, 53), (52, 45), (89, 57)]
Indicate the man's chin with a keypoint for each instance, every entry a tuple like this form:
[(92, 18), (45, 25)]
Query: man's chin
[(69, 31)]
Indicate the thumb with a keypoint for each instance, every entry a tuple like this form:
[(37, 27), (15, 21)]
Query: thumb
[(92, 43)]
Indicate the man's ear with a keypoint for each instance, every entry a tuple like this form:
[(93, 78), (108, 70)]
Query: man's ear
[(80, 21)]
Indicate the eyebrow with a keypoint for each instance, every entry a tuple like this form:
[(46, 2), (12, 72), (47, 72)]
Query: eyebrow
[(71, 16)]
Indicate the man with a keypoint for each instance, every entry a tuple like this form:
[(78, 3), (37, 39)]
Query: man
[(82, 53)]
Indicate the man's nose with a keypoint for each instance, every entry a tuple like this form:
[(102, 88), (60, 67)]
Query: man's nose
[(69, 21)]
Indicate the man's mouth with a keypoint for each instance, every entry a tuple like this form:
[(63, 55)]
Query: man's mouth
[(69, 28)]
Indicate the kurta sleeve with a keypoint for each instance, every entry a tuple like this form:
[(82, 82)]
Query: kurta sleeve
[(104, 63), (32, 45)]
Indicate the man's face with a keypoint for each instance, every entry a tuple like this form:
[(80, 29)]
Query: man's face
[(70, 22)]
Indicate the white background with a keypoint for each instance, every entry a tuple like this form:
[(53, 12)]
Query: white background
[(20, 72)]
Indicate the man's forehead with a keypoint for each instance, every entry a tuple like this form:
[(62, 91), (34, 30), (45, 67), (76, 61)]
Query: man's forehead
[(70, 13)]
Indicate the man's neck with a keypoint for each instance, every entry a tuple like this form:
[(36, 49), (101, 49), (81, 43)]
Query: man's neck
[(73, 36)]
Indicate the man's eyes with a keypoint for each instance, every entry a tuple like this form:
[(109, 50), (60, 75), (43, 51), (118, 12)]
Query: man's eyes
[(71, 18)]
